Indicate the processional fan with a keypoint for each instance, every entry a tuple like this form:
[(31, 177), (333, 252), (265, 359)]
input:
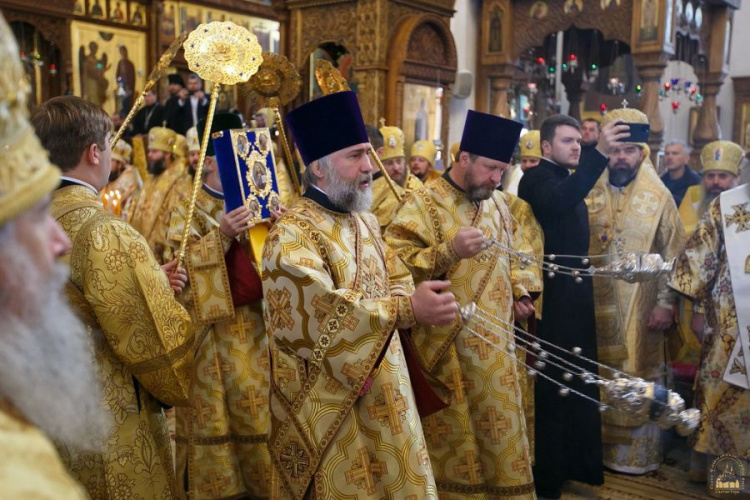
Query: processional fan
[(220, 52), (639, 399), (276, 84)]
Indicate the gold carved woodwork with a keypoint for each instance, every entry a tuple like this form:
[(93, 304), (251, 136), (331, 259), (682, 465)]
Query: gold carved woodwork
[(741, 125), (718, 19), (614, 24), (421, 50)]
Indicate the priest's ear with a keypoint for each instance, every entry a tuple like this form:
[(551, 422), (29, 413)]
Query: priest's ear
[(210, 165), (546, 149)]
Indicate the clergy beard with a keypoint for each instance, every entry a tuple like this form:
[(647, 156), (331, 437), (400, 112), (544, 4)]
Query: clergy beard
[(477, 192), (347, 195), (114, 174), (708, 197), (157, 167), (46, 366), (621, 174)]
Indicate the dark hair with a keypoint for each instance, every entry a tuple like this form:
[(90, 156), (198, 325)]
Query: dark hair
[(594, 120), (375, 137), (549, 127), (472, 157), (67, 126)]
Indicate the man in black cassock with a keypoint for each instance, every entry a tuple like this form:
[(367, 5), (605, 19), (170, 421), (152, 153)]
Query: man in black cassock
[(568, 429), (152, 114)]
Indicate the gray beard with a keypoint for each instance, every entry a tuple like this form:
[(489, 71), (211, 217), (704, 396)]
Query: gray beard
[(47, 369), (348, 196), (478, 193)]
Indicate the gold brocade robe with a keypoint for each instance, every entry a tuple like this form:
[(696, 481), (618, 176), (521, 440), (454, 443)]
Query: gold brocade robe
[(684, 345), (287, 193), (385, 203), (641, 217), (221, 436), (30, 467), (149, 211), (530, 233), (344, 418), (431, 175), (702, 274), (142, 341), (478, 446), (127, 183)]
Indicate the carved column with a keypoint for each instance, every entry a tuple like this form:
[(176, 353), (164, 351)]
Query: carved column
[(707, 128), (500, 84), (574, 91), (651, 69)]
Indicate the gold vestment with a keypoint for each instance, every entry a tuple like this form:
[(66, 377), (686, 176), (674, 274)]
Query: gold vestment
[(641, 217), (221, 436), (702, 274), (142, 339), (127, 184), (385, 203), (30, 466), (344, 418), (478, 445), (149, 211)]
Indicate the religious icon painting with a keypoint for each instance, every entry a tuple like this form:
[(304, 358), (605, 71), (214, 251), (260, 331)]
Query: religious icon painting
[(256, 213), (106, 59), (118, 11), (138, 16), (247, 168), (649, 23)]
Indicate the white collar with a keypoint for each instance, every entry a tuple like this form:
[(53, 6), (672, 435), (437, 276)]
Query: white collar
[(79, 181)]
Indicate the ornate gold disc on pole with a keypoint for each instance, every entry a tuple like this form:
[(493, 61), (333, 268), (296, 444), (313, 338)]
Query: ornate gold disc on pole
[(225, 54), (276, 84)]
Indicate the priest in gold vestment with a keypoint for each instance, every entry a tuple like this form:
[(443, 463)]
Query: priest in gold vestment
[(422, 161), (124, 180), (384, 201), (47, 380), (141, 335), (221, 436), (344, 420), (149, 212), (478, 446), (528, 235), (718, 176), (703, 274), (630, 210)]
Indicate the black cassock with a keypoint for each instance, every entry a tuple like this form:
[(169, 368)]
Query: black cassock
[(568, 429)]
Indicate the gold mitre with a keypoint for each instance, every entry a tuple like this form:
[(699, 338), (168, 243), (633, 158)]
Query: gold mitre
[(161, 139), (393, 143), (425, 149), (122, 152), (180, 149), (26, 175), (626, 115), (722, 155), (193, 143), (530, 145)]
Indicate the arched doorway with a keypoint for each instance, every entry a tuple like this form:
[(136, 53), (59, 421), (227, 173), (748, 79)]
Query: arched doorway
[(422, 65)]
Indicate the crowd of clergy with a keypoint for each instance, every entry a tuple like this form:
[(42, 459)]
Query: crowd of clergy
[(321, 353)]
